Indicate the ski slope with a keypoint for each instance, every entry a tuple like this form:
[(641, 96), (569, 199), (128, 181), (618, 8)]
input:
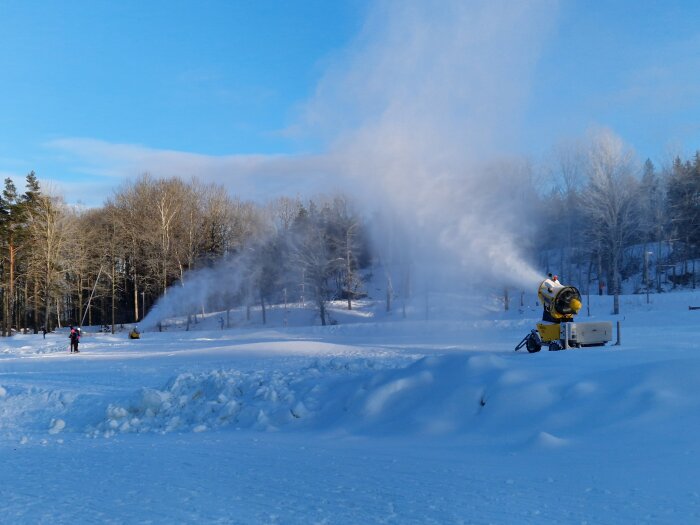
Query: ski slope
[(374, 420)]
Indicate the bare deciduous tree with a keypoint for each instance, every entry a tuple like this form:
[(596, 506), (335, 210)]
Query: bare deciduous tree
[(610, 202)]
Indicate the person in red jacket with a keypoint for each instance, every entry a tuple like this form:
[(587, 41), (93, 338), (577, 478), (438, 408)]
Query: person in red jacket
[(74, 339)]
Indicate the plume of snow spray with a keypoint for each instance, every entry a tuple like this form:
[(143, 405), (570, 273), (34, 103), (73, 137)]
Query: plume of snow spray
[(431, 99)]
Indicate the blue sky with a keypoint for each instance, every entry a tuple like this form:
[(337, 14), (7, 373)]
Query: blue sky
[(253, 94)]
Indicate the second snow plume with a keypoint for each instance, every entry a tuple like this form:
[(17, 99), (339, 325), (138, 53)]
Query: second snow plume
[(428, 101), (210, 288)]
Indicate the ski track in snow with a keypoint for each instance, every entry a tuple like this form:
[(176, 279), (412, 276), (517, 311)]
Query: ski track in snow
[(416, 422)]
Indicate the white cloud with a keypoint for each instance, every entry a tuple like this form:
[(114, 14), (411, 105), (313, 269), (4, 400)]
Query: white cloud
[(257, 177)]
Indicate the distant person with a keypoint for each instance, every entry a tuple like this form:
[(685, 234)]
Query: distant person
[(221, 322), (74, 339), (43, 331)]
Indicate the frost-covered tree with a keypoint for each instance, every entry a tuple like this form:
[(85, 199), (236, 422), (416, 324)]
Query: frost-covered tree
[(610, 203), (684, 205)]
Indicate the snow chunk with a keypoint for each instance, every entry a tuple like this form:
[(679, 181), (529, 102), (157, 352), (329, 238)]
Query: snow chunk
[(57, 425)]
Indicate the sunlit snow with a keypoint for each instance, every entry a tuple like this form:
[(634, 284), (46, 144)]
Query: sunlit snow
[(375, 419)]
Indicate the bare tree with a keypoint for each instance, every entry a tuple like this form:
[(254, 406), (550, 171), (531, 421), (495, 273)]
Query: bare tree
[(283, 211), (610, 202), (312, 255), (345, 231)]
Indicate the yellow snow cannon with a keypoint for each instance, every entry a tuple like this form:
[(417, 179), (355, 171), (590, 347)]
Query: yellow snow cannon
[(557, 329)]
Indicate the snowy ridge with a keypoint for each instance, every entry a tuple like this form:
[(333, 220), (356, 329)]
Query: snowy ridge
[(510, 398)]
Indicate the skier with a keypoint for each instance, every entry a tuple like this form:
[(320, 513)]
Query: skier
[(74, 339)]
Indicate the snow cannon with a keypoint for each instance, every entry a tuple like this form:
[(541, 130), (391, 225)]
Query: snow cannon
[(557, 330)]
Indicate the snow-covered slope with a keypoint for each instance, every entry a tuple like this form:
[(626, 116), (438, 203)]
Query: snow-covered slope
[(371, 421)]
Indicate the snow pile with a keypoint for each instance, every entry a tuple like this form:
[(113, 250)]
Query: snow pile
[(262, 400), (30, 408), (511, 398)]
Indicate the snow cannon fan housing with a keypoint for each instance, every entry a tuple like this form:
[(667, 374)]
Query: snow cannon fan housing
[(561, 303)]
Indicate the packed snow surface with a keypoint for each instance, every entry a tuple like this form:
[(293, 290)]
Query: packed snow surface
[(377, 419)]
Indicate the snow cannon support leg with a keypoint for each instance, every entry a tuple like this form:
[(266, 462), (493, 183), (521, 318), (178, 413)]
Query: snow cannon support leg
[(531, 341)]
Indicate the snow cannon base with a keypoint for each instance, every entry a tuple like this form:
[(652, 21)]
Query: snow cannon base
[(567, 335)]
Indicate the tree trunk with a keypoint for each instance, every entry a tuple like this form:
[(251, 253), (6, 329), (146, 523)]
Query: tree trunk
[(47, 311), (114, 293), (81, 304), (25, 307), (11, 298), (36, 309), (322, 311), (262, 306), (616, 282), (5, 314), (348, 271), (389, 293), (136, 299)]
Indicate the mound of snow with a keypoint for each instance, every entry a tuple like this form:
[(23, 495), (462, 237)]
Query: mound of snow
[(263, 400), (511, 398)]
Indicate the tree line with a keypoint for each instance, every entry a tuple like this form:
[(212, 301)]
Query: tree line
[(62, 265)]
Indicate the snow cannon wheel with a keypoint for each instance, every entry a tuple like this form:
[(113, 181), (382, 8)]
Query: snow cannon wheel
[(533, 342)]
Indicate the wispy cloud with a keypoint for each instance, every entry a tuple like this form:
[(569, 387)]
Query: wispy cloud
[(257, 177)]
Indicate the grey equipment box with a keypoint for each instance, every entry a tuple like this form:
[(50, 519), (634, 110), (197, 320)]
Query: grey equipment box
[(586, 334)]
